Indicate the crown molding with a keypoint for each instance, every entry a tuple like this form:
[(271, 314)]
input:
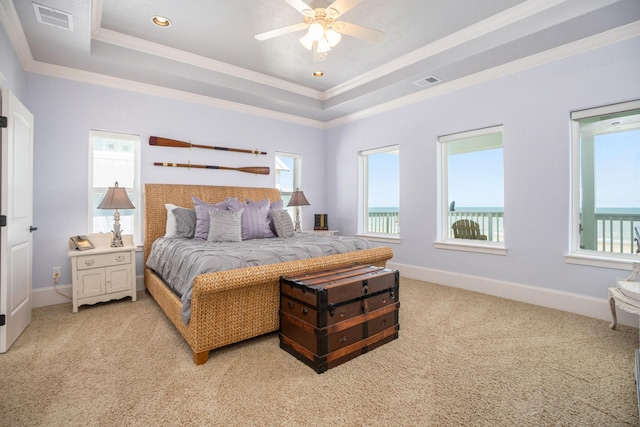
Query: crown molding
[(140, 45), (11, 23), (15, 32), (155, 49), (599, 40), (491, 24), (590, 43), (178, 95), (96, 14)]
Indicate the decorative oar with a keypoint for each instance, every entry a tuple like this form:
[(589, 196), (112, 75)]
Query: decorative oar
[(166, 142), (260, 170)]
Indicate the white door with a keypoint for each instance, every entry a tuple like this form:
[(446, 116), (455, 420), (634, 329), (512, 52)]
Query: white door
[(16, 205)]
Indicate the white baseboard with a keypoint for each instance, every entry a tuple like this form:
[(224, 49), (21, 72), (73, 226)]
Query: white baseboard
[(574, 303), (41, 297), (566, 301)]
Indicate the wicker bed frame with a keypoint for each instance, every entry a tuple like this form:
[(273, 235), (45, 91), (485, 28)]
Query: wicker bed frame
[(228, 306)]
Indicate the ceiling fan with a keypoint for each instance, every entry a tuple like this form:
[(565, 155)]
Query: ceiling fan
[(323, 30)]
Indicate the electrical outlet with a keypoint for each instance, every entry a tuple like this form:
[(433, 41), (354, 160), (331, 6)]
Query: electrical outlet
[(56, 274)]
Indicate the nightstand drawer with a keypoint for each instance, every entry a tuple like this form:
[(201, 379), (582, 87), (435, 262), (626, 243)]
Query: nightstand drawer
[(103, 260)]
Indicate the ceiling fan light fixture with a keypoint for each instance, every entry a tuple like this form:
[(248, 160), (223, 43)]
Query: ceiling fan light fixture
[(307, 41), (332, 36), (323, 30), (161, 21), (316, 31), (323, 46)]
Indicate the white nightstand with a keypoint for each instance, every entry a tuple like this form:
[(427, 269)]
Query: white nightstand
[(104, 273)]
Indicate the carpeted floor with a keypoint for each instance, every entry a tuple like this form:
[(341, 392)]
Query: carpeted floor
[(462, 359)]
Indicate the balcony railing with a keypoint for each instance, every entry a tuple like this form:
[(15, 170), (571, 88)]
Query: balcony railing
[(383, 222), (615, 232)]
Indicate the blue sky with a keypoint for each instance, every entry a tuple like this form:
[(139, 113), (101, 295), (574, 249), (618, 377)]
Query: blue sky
[(384, 180), (618, 170), (476, 179)]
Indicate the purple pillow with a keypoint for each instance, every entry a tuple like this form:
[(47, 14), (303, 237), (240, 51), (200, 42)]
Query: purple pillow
[(255, 219), (202, 216), (275, 206)]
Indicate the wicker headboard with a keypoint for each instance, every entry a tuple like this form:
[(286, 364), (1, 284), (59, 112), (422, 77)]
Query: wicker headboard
[(157, 195)]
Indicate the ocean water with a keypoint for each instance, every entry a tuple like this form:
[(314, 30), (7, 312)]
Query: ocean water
[(616, 231), (618, 211), (383, 209)]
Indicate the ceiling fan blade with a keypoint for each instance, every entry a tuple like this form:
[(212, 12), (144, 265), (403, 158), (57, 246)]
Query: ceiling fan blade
[(300, 6), (342, 6), (282, 31), (358, 31)]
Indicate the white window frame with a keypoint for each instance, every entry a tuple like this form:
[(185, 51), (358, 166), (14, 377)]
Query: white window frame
[(442, 216), (297, 173), (363, 192), (577, 255), (137, 199)]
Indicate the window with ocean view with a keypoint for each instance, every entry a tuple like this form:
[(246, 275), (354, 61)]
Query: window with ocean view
[(114, 157), (472, 187), (379, 191), (606, 206)]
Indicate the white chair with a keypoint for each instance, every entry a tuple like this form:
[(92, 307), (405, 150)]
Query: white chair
[(626, 295)]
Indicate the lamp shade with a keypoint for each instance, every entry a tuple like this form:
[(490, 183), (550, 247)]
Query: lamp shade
[(298, 199), (116, 198)]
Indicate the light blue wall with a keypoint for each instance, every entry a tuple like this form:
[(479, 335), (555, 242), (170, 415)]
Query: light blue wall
[(534, 107), (10, 68), (64, 113)]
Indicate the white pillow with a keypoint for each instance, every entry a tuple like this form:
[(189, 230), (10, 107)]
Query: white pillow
[(170, 230)]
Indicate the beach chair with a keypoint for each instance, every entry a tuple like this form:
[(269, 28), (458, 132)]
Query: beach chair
[(467, 229)]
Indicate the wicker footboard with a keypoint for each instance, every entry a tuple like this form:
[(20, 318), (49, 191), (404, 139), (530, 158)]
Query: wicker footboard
[(231, 306)]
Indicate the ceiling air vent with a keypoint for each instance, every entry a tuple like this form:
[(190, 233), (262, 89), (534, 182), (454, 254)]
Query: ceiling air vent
[(50, 16), (427, 81)]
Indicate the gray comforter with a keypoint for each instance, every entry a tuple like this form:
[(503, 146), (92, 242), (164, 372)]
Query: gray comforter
[(179, 260)]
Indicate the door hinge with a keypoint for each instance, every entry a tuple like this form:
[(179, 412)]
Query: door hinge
[(2, 321), (3, 220), (3, 122)]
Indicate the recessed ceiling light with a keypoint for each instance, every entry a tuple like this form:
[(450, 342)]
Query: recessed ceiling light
[(318, 73), (161, 21)]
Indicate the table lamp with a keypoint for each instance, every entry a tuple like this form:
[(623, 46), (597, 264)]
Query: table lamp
[(116, 198), (297, 200)]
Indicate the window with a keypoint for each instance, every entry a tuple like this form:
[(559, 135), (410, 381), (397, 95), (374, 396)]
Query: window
[(379, 195), (288, 175), (472, 187), (114, 157), (606, 179)]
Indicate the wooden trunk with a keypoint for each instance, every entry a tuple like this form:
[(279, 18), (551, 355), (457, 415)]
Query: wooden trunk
[(329, 317)]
